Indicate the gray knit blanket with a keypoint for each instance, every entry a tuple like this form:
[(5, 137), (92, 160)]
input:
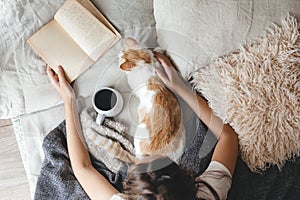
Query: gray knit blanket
[(57, 181)]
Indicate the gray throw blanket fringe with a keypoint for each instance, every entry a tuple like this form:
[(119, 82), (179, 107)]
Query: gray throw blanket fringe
[(57, 181)]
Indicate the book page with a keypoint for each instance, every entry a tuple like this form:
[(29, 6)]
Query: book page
[(56, 48), (92, 9), (101, 49), (83, 27)]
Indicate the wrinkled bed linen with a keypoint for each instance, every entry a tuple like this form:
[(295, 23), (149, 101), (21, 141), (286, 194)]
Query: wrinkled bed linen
[(24, 85), (22, 75)]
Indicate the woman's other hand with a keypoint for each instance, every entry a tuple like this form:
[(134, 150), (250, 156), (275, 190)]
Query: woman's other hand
[(168, 74), (61, 84)]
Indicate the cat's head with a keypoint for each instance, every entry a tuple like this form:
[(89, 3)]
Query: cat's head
[(134, 55)]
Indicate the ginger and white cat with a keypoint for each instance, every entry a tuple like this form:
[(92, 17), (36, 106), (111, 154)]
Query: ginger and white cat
[(160, 130)]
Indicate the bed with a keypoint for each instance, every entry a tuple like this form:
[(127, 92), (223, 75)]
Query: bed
[(214, 28)]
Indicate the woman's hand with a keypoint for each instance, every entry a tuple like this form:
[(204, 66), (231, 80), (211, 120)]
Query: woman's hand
[(168, 74), (61, 84)]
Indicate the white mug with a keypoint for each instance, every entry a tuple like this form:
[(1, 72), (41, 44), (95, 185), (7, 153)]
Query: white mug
[(107, 102)]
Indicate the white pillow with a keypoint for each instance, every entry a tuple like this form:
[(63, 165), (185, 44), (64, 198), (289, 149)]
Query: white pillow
[(194, 32)]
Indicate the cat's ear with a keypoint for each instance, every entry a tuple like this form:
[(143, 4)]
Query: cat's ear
[(130, 43), (127, 66)]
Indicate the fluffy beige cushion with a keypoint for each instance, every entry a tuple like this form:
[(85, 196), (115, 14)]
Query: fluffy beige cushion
[(257, 91)]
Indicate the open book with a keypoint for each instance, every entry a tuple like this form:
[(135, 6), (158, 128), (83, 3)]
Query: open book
[(75, 39)]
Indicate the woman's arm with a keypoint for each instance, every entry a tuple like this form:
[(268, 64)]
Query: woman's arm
[(227, 147), (94, 184)]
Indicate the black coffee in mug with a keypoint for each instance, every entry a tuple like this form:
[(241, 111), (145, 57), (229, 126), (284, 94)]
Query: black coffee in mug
[(105, 99)]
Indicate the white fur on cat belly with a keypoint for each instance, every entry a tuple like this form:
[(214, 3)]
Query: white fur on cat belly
[(146, 99), (146, 103), (141, 134), (174, 149)]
